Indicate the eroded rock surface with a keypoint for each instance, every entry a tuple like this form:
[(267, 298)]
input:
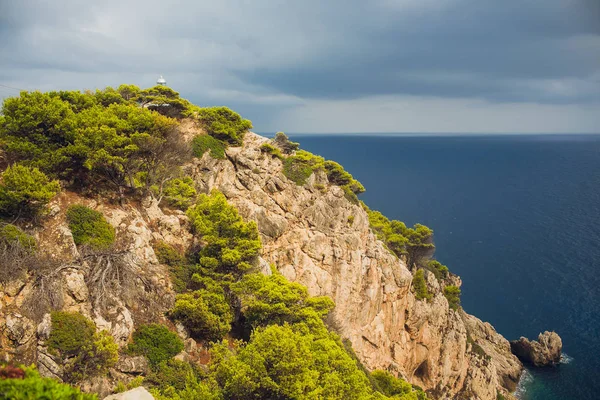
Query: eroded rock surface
[(542, 352)]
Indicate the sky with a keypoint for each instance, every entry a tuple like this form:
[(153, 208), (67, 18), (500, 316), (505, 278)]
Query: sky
[(316, 66)]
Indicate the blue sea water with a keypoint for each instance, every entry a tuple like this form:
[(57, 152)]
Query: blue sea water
[(517, 217)]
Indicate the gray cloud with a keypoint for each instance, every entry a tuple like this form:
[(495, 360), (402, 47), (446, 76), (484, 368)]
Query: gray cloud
[(274, 60)]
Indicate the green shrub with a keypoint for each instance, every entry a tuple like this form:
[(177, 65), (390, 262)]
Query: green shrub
[(35, 387), (232, 245), (13, 236), (284, 143), (272, 150), (167, 254), (223, 124), (135, 382), (205, 313), (25, 191), (156, 342), (301, 165), (89, 227), (338, 176), (83, 351), (438, 269), (452, 293), (420, 286), (180, 192), (273, 299), (500, 396), (202, 144), (396, 388)]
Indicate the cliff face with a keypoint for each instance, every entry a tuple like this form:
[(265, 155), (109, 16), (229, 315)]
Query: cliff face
[(314, 236)]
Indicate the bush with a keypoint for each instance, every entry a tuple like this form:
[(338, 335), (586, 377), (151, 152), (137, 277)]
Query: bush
[(420, 286), (223, 124), (231, 245), (17, 252), (32, 386), (180, 192), (284, 143), (156, 342), (205, 313), (338, 176), (396, 388), (12, 235), (301, 165), (167, 254), (84, 352), (452, 293), (272, 150), (202, 144), (438, 269), (89, 227), (25, 191)]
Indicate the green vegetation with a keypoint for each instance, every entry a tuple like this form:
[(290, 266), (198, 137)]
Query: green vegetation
[(135, 382), (222, 123), (439, 270), (272, 150), (94, 140), (83, 351), (203, 143), (167, 254), (420, 286), (232, 245), (452, 294), (205, 312), (396, 388), (25, 191), (156, 342), (500, 396), (476, 348), (284, 143), (180, 192), (300, 166), (32, 386), (10, 235), (416, 243), (17, 252), (89, 227)]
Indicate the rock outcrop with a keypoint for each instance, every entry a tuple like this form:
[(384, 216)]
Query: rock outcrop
[(138, 393), (544, 351), (313, 234)]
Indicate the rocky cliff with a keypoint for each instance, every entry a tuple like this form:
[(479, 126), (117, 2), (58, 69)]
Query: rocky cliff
[(311, 233)]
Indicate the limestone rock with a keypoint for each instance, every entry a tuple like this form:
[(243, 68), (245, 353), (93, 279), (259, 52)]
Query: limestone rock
[(20, 329), (139, 393), (542, 352), (133, 365)]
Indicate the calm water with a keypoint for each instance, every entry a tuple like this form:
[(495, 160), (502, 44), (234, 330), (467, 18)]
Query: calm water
[(517, 217)]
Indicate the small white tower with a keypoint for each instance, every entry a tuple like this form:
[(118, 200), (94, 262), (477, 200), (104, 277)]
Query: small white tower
[(161, 81)]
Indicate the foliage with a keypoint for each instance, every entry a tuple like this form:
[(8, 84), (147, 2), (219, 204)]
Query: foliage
[(89, 227), (92, 139), (205, 312), (284, 143), (10, 235), (288, 362), (231, 244), (203, 143), (396, 388), (167, 254), (438, 269), (338, 176), (84, 351), (32, 386), (452, 294), (180, 192), (421, 291), (222, 123), (156, 342), (163, 100), (273, 299), (25, 191), (272, 150), (178, 380), (415, 243), (500, 396), (135, 382), (301, 165)]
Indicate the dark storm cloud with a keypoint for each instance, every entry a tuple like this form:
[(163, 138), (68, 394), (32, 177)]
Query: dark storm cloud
[(267, 56)]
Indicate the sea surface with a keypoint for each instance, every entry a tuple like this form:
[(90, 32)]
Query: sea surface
[(517, 217)]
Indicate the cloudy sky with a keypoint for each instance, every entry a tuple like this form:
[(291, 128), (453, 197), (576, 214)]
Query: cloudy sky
[(326, 66)]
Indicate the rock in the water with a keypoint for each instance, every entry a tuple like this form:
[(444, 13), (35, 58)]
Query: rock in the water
[(139, 393), (542, 352)]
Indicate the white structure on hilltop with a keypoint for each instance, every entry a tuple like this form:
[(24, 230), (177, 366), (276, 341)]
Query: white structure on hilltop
[(161, 81)]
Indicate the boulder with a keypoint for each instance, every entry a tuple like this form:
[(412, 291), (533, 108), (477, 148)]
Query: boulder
[(139, 393), (542, 352)]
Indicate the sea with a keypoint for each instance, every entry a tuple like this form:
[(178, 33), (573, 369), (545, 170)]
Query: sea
[(516, 216)]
